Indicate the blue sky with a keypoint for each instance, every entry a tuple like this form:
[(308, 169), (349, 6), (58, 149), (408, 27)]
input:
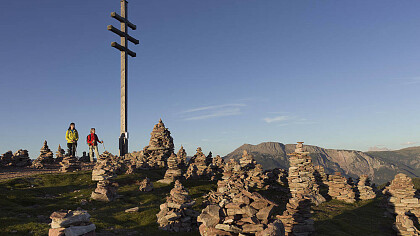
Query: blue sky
[(220, 73)]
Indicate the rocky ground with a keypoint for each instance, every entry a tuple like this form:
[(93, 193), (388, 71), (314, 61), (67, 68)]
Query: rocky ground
[(26, 203)]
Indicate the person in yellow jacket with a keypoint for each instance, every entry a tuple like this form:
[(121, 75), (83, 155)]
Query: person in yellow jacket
[(72, 137)]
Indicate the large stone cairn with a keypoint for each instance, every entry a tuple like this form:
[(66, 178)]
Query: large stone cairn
[(146, 185), (297, 217), (339, 189), (46, 156), (199, 166), (104, 173), (176, 213), (59, 155), (161, 146), (364, 189), (69, 164), (320, 176), (238, 212), (217, 164), (71, 223), (19, 159), (173, 172), (402, 202), (252, 172), (301, 177)]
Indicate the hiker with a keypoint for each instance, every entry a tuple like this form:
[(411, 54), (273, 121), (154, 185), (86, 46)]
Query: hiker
[(93, 140), (72, 137)]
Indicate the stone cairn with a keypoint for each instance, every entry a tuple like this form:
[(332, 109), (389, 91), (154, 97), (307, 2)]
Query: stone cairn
[(235, 211), (104, 173), (339, 189), (59, 155), (160, 148), (364, 189), (320, 176), (301, 177), (182, 158), (199, 166), (45, 157), (218, 164), (146, 185), (71, 223), (402, 202), (19, 159), (176, 213), (297, 217), (173, 172), (69, 164)]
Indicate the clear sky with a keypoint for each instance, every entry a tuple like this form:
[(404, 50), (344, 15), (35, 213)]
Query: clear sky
[(220, 73)]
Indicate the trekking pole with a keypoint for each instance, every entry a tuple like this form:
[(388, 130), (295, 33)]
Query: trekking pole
[(104, 146)]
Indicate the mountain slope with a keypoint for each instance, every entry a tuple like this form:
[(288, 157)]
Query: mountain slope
[(351, 163)]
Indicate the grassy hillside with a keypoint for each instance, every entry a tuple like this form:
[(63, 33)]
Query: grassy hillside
[(26, 203)]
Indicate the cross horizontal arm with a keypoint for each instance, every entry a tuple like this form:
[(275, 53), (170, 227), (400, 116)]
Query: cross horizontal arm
[(123, 20), (121, 48), (122, 34)]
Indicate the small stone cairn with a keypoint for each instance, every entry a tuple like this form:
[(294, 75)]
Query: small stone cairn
[(182, 158), (402, 202), (146, 185), (104, 173), (69, 164), (160, 148), (339, 189), (45, 157), (236, 211), (71, 223), (173, 172), (364, 189), (297, 217), (19, 159), (198, 167), (176, 213), (59, 155), (301, 177)]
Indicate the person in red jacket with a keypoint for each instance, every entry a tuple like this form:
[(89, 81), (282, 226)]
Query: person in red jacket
[(93, 140)]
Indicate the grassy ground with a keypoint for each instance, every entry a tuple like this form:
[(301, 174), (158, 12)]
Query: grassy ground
[(26, 203)]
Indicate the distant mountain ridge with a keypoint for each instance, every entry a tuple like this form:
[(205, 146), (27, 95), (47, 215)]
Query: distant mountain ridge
[(381, 166)]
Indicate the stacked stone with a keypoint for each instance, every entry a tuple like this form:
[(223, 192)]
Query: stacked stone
[(161, 146), (71, 223), (59, 155), (247, 161), (339, 189), (45, 157), (239, 212), (104, 173), (404, 226), (402, 202), (297, 217), (182, 158), (176, 213), (301, 177), (19, 159), (173, 172), (401, 196), (146, 185), (320, 175), (256, 177), (199, 167), (69, 164), (365, 191)]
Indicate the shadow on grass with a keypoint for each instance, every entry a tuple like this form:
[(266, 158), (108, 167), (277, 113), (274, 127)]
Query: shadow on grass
[(337, 218)]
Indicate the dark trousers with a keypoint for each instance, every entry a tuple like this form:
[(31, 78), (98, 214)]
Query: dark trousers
[(72, 149)]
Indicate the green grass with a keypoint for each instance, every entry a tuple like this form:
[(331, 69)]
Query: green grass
[(25, 204)]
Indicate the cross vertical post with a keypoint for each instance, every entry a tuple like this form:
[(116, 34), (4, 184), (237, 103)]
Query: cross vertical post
[(125, 37)]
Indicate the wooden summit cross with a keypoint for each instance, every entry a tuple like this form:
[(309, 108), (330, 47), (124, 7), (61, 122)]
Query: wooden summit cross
[(123, 33)]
